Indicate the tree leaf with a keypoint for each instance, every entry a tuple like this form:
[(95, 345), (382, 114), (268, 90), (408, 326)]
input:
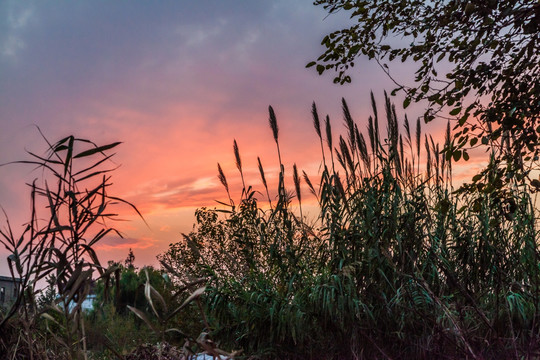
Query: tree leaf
[(406, 102), (455, 111)]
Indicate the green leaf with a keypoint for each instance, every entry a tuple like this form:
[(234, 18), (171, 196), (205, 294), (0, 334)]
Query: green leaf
[(477, 206), (465, 155), (456, 155), (69, 154), (463, 119), (441, 57), (50, 318), (310, 64), (197, 293), (455, 111), (473, 141), (354, 50), (406, 102), (143, 317), (320, 69)]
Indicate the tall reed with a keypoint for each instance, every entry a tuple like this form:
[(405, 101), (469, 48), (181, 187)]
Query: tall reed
[(398, 264), (70, 208)]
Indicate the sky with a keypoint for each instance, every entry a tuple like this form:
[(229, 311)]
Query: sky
[(176, 82)]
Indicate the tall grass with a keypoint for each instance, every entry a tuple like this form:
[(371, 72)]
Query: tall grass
[(70, 207), (70, 213), (397, 265)]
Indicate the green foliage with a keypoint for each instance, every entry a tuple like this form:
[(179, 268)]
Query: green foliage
[(165, 316), (488, 51), (397, 264), (109, 331), (135, 309), (125, 287)]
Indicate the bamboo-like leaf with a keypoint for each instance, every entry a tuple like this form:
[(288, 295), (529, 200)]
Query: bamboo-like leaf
[(176, 330), (96, 164), (55, 229), (92, 254), (130, 205), (96, 150), (143, 317), (196, 294), (50, 318), (76, 287), (74, 277), (170, 269), (148, 292), (54, 334), (68, 158), (95, 173)]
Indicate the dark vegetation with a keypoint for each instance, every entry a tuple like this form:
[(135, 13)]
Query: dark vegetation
[(70, 212), (477, 62), (397, 263)]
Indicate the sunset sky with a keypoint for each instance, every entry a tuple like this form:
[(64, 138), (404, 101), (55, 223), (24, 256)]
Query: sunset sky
[(176, 82)]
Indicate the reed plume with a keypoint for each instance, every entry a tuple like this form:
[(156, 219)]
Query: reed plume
[(317, 126), (223, 180), (239, 164), (275, 132), (349, 123)]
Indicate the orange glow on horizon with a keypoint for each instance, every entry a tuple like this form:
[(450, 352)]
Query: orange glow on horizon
[(177, 96)]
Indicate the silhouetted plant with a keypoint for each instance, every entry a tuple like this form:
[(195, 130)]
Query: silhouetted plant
[(397, 264), (70, 208)]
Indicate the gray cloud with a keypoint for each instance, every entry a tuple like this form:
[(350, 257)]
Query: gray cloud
[(146, 72), (71, 57)]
